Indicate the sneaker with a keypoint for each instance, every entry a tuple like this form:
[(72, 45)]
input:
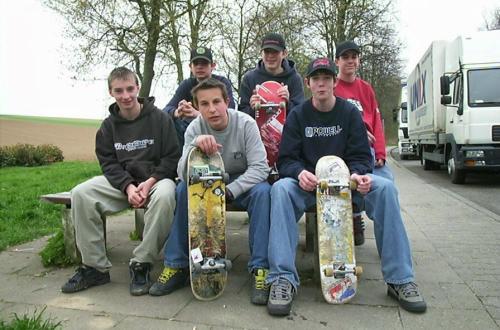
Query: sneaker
[(408, 296), (359, 230), (84, 278), (170, 280), (139, 278), (260, 290), (280, 297)]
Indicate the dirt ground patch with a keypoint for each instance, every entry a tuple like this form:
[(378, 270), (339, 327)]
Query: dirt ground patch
[(77, 143)]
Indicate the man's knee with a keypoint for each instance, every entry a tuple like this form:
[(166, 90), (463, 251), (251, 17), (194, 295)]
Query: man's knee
[(283, 186), (261, 190)]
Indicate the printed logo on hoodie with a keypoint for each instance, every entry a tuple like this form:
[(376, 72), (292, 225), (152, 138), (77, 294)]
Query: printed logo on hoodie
[(134, 145), (322, 131)]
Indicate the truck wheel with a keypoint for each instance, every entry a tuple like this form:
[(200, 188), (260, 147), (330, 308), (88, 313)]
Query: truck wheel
[(457, 176)]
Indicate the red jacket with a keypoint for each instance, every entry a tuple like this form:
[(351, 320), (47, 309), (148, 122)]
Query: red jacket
[(361, 94)]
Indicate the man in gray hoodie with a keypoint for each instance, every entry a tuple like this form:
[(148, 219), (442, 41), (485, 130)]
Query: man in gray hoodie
[(237, 138)]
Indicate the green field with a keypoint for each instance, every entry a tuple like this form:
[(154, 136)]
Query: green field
[(23, 217), (54, 120)]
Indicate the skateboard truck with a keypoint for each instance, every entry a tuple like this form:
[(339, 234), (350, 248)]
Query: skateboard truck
[(209, 264), (324, 185), (270, 107), (340, 271), (207, 175)]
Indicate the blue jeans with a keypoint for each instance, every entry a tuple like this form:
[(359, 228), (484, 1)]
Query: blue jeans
[(288, 203), (383, 171), (257, 203)]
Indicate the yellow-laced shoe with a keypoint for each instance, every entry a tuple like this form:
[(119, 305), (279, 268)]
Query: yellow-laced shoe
[(260, 290), (169, 280)]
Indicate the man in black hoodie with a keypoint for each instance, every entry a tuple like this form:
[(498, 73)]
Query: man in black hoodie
[(273, 66), (138, 151)]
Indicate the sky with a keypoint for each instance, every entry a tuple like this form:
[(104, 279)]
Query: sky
[(34, 80)]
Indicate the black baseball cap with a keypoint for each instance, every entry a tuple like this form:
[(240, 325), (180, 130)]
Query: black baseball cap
[(321, 64), (273, 41), (345, 46), (201, 53)]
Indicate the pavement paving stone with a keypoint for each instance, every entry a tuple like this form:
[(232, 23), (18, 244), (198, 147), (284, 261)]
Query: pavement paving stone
[(444, 318), (69, 318)]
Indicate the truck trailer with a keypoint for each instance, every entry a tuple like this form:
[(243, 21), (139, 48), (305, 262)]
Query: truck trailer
[(454, 105)]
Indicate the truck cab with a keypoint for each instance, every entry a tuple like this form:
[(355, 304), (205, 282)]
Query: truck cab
[(470, 90), (405, 147)]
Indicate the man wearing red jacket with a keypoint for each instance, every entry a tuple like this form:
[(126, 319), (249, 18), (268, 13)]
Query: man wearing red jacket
[(361, 94)]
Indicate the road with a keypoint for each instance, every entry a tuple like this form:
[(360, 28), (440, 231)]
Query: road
[(480, 188)]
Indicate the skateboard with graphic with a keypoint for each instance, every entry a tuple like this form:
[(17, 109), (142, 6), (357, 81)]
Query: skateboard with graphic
[(207, 224), (270, 114), (337, 262)]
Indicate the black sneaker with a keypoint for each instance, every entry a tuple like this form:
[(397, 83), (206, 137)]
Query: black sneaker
[(280, 297), (84, 278), (358, 230), (408, 297), (170, 280), (260, 290), (139, 278)]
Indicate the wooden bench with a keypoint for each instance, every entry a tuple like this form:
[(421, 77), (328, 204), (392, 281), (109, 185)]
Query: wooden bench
[(64, 199)]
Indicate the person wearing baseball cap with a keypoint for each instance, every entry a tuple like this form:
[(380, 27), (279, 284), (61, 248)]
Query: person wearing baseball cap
[(180, 106), (360, 93), (330, 125), (273, 65)]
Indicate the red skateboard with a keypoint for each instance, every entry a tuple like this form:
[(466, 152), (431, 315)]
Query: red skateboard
[(270, 114)]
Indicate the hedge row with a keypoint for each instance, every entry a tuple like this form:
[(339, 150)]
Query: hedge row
[(29, 155)]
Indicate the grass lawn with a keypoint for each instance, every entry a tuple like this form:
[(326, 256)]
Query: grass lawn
[(54, 120), (23, 217)]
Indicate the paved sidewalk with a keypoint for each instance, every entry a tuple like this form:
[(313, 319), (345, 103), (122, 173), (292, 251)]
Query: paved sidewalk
[(456, 251)]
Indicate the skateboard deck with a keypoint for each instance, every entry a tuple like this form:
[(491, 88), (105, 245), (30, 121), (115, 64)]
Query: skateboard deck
[(337, 263), (207, 224), (270, 114)]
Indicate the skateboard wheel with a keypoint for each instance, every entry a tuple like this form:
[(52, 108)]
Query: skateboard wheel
[(358, 270), (228, 264), (225, 178), (257, 106), (328, 271), (323, 185), (197, 266), (195, 178), (282, 105), (353, 185)]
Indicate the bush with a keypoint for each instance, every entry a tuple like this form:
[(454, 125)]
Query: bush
[(54, 253), (29, 155)]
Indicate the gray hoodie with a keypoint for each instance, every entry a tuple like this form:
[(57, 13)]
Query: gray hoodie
[(242, 151)]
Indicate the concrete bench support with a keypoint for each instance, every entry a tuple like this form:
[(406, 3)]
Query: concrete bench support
[(64, 199)]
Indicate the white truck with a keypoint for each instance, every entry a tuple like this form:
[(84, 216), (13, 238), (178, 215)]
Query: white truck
[(454, 105), (405, 148)]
